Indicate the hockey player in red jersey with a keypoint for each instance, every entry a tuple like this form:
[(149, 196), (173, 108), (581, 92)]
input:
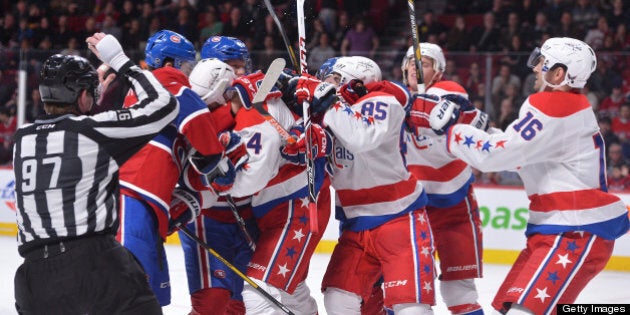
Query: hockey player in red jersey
[(149, 177), (452, 209), (557, 149)]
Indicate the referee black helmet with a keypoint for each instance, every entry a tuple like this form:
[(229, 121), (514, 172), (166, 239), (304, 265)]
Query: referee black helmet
[(63, 77)]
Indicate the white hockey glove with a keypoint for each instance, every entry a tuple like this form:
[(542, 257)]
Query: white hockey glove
[(443, 116)]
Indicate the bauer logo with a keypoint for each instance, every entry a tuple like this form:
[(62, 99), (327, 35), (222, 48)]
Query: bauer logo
[(8, 195)]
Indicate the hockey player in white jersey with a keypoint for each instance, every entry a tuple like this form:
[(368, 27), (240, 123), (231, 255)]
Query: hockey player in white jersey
[(557, 149), (385, 229), (452, 209)]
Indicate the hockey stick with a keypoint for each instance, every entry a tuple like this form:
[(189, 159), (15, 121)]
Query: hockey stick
[(417, 55), (271, 77), (240, 221), (306, 110), (247, 279), (273, 14)]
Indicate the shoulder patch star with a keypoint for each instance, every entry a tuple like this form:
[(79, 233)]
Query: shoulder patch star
[(486, 146), (479, 144), (469, 141), (563, 260), (337, 106), (458, 137), (500, 144), (357, 115), (283, 270), (542, 295)]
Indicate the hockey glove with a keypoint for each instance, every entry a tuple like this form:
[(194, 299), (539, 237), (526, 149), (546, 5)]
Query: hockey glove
[(321, 95), (417, 115), (185, 208), (353, 91), (247, 86), (321, 144), (469, 114), (234, 149), (462, 101), (443, 116), (216, 171)]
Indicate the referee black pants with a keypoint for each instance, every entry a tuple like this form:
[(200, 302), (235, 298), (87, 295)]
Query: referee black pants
[(94, 275)]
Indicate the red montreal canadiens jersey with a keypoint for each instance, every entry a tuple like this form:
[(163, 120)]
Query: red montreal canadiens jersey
[(557, 149), (152, 173)]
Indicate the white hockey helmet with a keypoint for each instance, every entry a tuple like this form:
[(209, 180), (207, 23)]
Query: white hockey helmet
[(575, 55), (430, 50), (210, 78), (357, 67)]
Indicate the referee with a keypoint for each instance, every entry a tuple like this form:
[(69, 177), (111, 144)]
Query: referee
[(66, 176)]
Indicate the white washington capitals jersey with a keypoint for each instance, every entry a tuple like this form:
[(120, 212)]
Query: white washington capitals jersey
[(446, 179), (370, 178), (556, 148)]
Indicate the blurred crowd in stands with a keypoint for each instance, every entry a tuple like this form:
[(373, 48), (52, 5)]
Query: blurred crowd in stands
[(486, 42)]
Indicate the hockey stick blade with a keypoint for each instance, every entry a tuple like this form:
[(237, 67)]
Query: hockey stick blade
[(247, 279), (271, 77)]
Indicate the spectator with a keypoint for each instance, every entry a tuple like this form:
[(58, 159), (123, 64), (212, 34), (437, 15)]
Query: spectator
[(515, 56), (328, 15), (360, 41), (458, 37), (236, 26), (42, 30), (486, 37), (512, 27), (499, 82), (133, 36), (89, 28), (9, 31), (595, 36), (507, 113), (71, 48), (621, 124), (585, 14), (615, 157), (555, 9), (185, 24), (621, 38), (268, 54), (110, 27), (535, 34), (62, 33), (146, 17), (320, 53), (607, 134), (108, 9), (35, 106), (315, 34), (340, 33), (618, 179), (593, 99), (430, 26), (566, 27), (127, 14), (609, 107), (268, 27), (212, 25), (8, 125), (616, 15), (473, 79)]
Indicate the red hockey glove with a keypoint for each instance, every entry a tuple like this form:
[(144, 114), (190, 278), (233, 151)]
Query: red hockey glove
[(353, 91), (321, 144), (418, 114), (321, 95), (234, 148), (247, 86)]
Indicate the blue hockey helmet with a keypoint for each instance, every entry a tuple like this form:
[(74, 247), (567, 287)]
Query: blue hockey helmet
[(226, 48), (167, 44), (326, 68)]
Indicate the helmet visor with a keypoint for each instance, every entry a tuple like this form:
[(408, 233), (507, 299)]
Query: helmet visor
[(534, 58)]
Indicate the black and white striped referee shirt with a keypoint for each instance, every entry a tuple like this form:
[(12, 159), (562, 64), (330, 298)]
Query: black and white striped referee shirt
[(66, 167)]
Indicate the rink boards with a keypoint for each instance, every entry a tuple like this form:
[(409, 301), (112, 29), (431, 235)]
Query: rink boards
[(503, 213)]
